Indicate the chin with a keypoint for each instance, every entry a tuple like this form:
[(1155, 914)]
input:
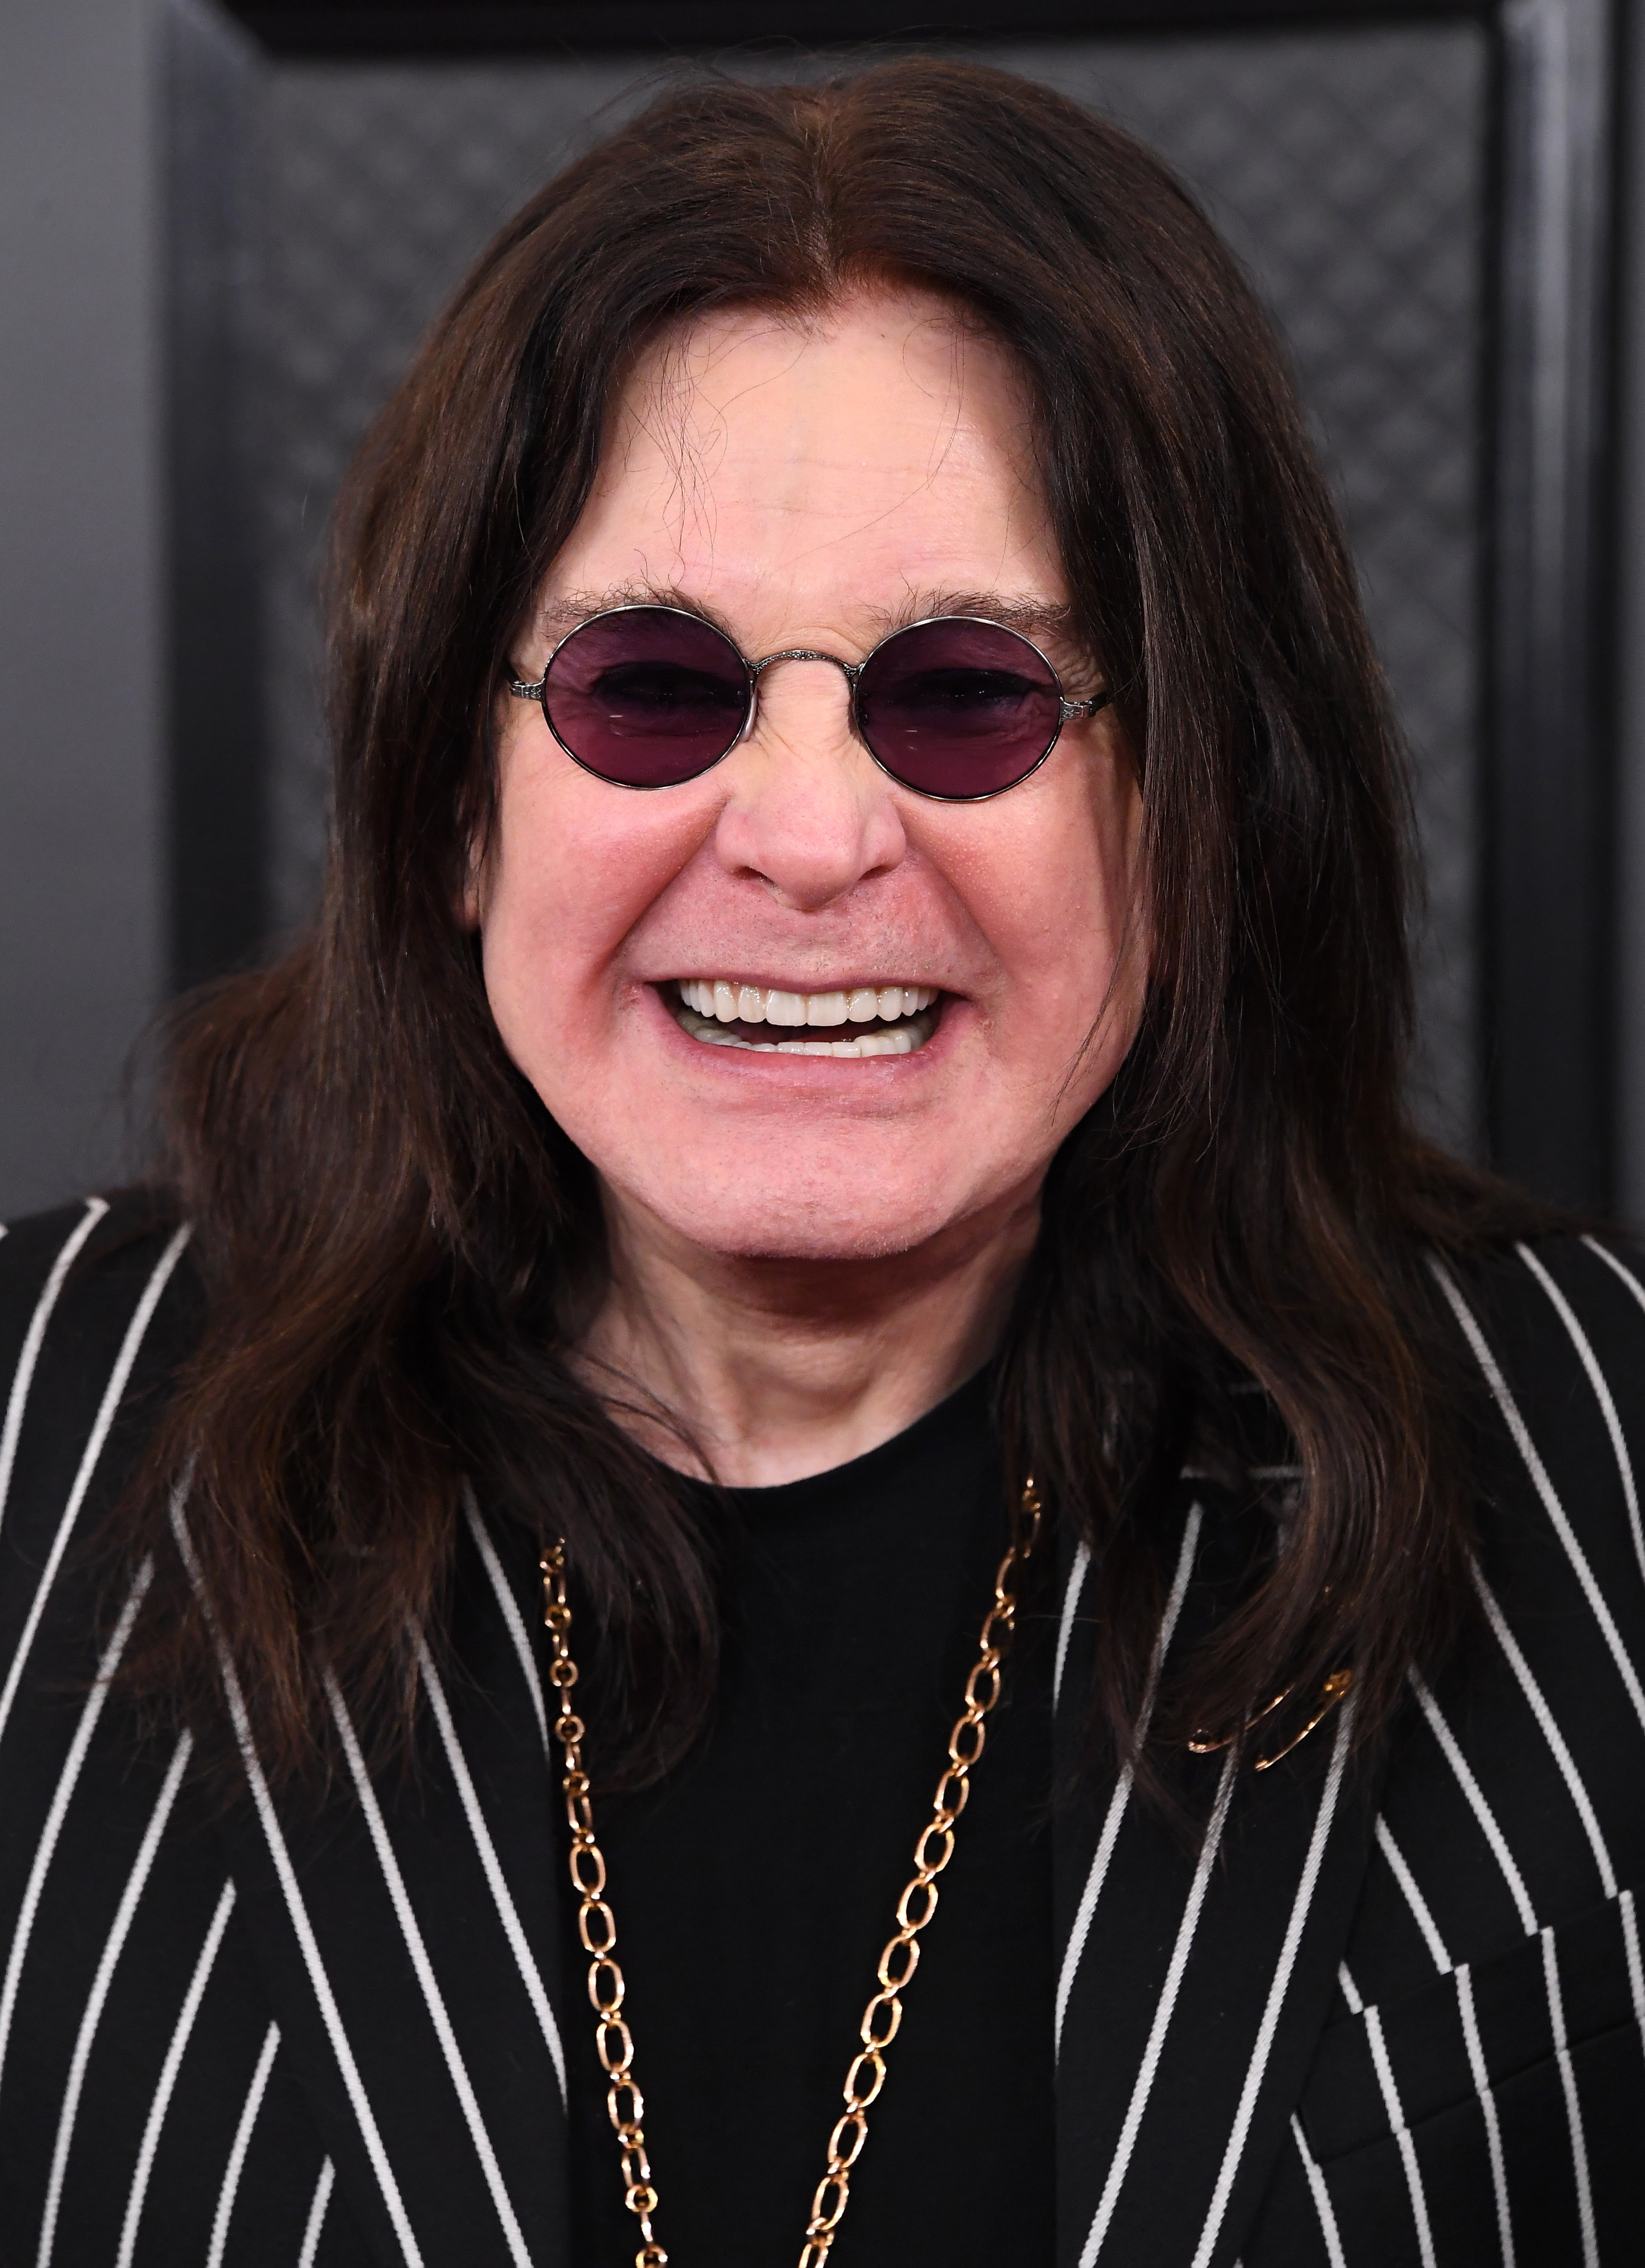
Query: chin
[(844, 1225)]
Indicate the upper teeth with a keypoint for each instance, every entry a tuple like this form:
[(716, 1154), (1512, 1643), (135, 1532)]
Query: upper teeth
[(753, 1004)]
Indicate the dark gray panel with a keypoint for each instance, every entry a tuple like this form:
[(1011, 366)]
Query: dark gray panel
[(217, 851), (81, 749), (1552, 804)]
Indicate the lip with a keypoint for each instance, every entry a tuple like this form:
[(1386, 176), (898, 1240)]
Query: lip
[(848, 1071)]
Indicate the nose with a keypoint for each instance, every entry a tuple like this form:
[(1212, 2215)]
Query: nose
[(809, 814)]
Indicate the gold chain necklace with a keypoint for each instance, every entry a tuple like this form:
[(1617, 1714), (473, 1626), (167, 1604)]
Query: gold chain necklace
[(596, 1925)]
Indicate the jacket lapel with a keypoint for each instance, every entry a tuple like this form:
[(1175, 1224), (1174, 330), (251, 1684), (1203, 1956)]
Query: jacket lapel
[(1195, 1971), (407, 1938)]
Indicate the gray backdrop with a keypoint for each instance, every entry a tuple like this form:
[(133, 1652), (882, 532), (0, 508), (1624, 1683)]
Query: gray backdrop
[(1346, 166), (81, 758)]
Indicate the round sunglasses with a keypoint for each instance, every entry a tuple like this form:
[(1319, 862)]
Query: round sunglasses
[(954, 707)]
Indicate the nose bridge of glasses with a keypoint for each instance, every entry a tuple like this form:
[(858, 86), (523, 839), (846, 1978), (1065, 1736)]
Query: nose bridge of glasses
[(853, 670), (850, 670)]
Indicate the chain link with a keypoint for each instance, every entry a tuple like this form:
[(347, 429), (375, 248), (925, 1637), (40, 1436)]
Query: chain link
[(596, 1925)]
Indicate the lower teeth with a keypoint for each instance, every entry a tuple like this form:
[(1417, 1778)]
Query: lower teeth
[(900, 1039)]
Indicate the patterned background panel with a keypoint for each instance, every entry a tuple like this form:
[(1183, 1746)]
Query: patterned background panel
[(1347, 168)]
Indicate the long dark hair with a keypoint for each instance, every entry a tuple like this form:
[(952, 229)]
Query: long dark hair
[(401, 1250)]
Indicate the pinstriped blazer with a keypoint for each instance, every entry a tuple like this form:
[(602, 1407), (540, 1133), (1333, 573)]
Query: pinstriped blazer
[(1377, 2016)]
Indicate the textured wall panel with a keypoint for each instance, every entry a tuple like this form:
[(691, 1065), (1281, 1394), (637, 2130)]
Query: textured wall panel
[(1347, 169)]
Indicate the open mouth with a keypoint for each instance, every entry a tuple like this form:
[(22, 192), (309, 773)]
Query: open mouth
[(869, 1019)]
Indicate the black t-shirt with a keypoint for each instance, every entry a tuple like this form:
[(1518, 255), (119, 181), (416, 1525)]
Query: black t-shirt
[(755, 1887)]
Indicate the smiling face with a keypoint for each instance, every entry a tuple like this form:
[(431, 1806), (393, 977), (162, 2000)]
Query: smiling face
[(790, 1008)]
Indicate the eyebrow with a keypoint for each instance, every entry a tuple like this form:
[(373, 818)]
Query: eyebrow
[(1034, 618), (581, 606)]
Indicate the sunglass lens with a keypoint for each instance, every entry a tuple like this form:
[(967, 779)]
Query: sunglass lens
[(959, 708), (646, 697)]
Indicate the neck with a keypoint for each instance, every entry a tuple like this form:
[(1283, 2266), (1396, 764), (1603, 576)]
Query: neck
[(753, 1371)]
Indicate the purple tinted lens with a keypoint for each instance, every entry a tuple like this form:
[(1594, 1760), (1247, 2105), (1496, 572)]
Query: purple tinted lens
[(959, 708), (645, 696)]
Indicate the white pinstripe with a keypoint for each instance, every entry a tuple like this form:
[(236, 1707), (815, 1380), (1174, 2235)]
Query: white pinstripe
[(1631, 1946), (142, 1317), (496, 1881), (1470, 1788), (1596, 1378), (1477, 1803), (320, 1983), (113, 1944), (1395, 2111), (1616, 1268), (161, 2103), (22, 1376), (1516, 1882), (46, 1847), (1165, 2007), (1550, 1732), (432, 1998), (1065, 1628), (317, 2215), (1544, 1488), (1321, 2196), (1488, 2103), (238, 2148), (1481, 2077), (510, 1607), (1414, 1898), (1573, 2106), (1633, 1284), (1279, 1985), (1121, 1795)]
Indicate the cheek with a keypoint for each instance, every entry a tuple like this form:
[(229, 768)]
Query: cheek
[(1053, 886), (571, 869)]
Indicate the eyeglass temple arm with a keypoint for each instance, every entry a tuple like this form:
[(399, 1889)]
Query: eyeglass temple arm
[(1072, 708), (527, 692)]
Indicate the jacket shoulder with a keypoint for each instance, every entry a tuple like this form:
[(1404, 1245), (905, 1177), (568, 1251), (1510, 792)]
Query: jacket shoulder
[(1553, 1339), (1553, 1333), (1494, 1953), (1580, 1288), (97, 1306)]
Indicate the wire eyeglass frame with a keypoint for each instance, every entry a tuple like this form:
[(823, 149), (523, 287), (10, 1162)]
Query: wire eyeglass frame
[(536, 690)]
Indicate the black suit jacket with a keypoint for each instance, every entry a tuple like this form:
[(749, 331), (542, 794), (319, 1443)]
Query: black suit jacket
[(1375, 2017)]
